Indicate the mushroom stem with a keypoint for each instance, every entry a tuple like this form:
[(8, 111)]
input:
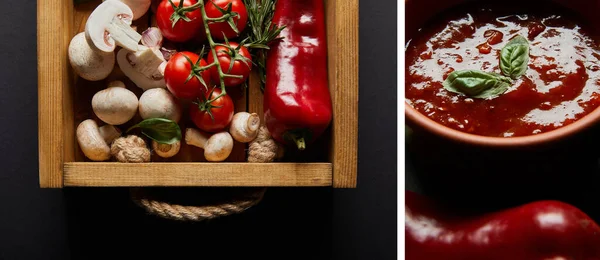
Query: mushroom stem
[(195, 137), (146, 61), (244, 126), (123, 34), (109, 133), (217, 147), (109, 25), (144, 67)]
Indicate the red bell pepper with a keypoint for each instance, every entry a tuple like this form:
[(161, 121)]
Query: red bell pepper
[(297, 103), (541, 230)]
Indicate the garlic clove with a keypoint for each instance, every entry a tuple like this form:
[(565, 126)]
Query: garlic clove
[(167, 53), (152, 37)]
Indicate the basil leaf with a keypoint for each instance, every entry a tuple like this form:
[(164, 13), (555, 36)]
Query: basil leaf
[(161, 130), (514, 57), (477, 84)]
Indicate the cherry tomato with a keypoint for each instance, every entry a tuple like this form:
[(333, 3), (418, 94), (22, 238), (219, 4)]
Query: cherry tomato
[(221, 110), (183, 30), (178, 70), (242, 63), (217, 29)]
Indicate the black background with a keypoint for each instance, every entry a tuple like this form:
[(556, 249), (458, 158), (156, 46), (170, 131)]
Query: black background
[(291, 223)]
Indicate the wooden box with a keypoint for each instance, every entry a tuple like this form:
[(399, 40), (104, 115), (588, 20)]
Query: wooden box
[(64, 101)]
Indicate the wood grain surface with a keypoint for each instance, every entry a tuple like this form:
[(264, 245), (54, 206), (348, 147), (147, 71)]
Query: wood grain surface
[(342, 42), (197, 174), (54, 27)]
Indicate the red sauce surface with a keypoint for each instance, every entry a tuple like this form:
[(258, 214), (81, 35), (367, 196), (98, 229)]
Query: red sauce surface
[(561, 84)]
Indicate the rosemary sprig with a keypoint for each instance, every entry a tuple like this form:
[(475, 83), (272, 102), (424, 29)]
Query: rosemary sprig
[(261, 33)]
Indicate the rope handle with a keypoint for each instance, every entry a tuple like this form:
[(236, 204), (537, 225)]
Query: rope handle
[(195, 213), (262, 149)]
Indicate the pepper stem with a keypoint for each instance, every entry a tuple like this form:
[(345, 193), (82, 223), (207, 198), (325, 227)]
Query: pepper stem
[(300, 143), (298, 137)]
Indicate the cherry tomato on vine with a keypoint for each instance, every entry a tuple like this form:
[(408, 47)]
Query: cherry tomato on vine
[(217, 29), (213, 117), (242, 63), (178, 71), (183, 30)]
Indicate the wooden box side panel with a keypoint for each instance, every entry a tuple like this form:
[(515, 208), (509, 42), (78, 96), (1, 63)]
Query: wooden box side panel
[(342, 42), (54, 22), (220, 174)]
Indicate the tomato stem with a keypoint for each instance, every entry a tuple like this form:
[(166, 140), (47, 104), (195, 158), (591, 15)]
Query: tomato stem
[(212, 45)]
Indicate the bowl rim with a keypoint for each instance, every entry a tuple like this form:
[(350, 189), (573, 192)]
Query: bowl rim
[(571, 129)]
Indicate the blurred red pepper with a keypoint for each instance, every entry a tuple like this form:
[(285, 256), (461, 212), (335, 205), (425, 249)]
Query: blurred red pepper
[(297, 103), (541, 230)]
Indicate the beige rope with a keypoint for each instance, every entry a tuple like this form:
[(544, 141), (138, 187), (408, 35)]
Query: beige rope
[(236, 205), (195, 213)]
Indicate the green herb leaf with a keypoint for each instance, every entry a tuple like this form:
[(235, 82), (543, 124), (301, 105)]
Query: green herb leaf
[(514, 57), (161, 130), (262, 33), (477, 84)]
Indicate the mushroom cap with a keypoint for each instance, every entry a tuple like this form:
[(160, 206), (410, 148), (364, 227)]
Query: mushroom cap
[(138, 7), (159, 103), (244, 126), (115, 105), (100, 18), (218, 147), (88, 63), (91, 142)]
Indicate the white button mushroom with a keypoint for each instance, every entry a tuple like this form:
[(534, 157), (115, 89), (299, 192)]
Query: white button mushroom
[(217, 147), (159, 103), (87, 62), (144, 67), (166, 150), (138, 7), (244, 126), (115, 105), (94, 141), (110, 23)]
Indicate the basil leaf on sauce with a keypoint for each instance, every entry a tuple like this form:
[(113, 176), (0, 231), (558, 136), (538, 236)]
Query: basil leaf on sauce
[(477, 84), (514, 57)]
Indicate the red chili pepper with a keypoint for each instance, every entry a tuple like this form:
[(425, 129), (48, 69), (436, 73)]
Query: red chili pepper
[(541, 230), (297, 103)]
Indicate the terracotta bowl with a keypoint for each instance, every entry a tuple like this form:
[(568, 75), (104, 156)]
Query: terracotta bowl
[(419, 12)]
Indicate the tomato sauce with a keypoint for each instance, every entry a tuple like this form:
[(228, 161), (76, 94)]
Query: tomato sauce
[(561, 84)]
